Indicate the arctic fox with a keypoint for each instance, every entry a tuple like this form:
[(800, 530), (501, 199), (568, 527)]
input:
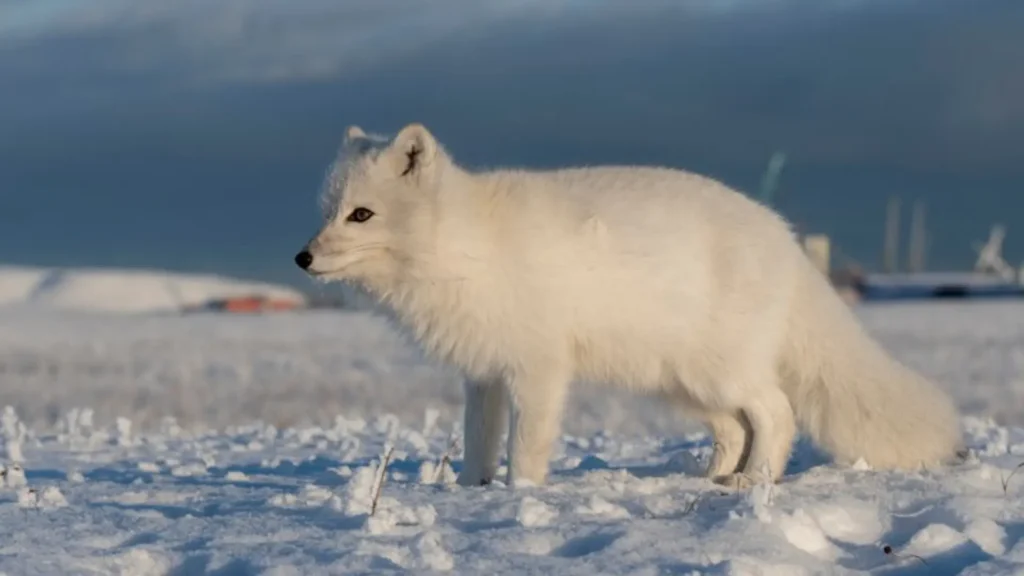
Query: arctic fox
[(652, 279)]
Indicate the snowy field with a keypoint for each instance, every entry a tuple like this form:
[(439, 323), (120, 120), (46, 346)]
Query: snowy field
[(209, 444)]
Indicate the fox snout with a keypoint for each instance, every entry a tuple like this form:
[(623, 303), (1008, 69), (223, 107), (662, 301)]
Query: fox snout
[(316, 258), (304, 259)]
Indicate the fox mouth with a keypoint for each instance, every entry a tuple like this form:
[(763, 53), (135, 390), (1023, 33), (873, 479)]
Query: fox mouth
[(335, 268), (338, 264), (324, 273)]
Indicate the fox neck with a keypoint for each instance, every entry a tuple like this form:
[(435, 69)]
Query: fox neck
[(434, 290)]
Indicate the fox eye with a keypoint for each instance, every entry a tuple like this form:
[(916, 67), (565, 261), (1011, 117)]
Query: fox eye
[(360, 215)]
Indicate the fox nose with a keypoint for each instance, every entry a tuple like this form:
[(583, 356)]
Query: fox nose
[(304, 259)]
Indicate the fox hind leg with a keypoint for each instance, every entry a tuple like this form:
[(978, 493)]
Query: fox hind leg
[(733, 437), (774, 428)]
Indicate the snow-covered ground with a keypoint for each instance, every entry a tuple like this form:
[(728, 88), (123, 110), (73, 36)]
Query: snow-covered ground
[(212, 444)]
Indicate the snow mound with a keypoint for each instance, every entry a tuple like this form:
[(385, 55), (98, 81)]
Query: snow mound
[(125, 291)]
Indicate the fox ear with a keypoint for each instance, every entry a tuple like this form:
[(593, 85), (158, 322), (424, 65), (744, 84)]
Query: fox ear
[(413, 149), (354, 133)]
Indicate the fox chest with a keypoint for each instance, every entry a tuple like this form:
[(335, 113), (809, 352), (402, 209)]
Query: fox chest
[(479, 343)]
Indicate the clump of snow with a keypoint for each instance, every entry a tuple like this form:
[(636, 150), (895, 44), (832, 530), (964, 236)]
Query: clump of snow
[(988, 535), (391, 555), (13, 476), (532, 512), (309, 496), (932, 540), (597, 506), (425, 552), (13, 434), (804, 532), (191, 469), (360, 491), (437, 472), (50, 498), (431, 553), (124, 431), (133, 562), (847, 520), (391, 514)]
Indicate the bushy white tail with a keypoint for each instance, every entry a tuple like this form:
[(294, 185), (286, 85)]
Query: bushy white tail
[(855, 400)]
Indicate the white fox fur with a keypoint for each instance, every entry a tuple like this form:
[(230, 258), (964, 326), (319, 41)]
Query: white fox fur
[(652, 279)]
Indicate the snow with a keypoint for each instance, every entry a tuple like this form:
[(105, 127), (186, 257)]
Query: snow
[(114, 290), (217, 444)]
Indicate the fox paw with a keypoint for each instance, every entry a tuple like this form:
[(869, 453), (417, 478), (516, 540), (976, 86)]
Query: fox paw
[(467, 479), (737, 481), (473, 480)]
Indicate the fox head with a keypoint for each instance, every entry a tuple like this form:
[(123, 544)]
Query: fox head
[(377, 205)]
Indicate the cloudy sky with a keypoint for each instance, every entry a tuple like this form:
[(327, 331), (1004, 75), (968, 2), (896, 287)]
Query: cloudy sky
[(193, 134)]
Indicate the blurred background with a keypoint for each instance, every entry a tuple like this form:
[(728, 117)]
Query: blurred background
[(179, 137), (194, 136)]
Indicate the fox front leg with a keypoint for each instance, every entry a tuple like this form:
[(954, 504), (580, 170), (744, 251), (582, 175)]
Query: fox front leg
[(536, 400), (482, 426)]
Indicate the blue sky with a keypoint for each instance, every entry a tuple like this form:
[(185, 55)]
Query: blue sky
[(193, 134)]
